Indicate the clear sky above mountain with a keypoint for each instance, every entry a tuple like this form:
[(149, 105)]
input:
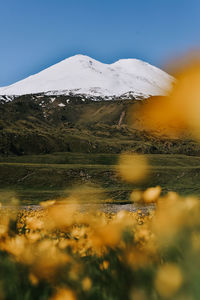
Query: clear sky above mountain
[(35, 34)]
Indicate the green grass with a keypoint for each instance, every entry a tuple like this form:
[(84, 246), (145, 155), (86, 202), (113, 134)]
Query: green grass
[(41, 177), (100, 159), (64, 158)]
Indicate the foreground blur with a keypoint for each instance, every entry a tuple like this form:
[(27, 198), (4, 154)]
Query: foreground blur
[(178, 113), (60, 253)]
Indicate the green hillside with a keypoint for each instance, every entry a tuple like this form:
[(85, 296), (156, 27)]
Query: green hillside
[(44, 124)]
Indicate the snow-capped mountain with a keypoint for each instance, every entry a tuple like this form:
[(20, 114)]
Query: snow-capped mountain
[(81, 74)]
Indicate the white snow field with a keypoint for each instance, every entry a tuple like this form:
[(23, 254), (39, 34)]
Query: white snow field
[(81, 74)]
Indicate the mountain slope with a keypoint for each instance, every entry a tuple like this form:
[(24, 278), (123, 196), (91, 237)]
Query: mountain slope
[(81, 74), (38, 125)]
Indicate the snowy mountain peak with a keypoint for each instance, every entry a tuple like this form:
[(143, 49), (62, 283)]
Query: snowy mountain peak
[(81, 74)]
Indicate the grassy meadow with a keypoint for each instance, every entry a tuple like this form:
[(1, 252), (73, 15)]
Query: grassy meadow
[(34, 178)]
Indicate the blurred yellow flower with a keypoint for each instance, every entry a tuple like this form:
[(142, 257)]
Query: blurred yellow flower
[(152, 194), (178, 113), (86, 284), (64, 294), (168, 280), (132, 167)]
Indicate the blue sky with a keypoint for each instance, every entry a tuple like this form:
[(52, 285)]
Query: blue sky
[(35, 34)]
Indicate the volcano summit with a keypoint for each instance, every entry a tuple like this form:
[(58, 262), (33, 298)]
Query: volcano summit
[(81, 74)]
